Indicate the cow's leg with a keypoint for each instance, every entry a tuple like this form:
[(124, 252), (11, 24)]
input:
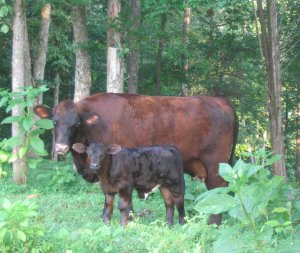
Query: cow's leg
[(108, 207), (169, 203), (125, 204), (213, 180)]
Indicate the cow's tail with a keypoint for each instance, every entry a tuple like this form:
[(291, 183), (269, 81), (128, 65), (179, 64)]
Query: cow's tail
[(235, 136)]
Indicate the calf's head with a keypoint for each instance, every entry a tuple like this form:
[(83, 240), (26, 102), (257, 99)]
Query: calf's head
[(97, 153), (67, 119)]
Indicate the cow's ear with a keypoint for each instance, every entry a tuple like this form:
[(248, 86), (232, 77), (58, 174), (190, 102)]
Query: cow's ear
[(113, 149), (91, 119), (79, 148), (42, 111)]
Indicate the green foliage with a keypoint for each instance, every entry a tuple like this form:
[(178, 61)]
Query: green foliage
[(260, 211), (29, 128), (5, 11), (58, 176), (17, 232)]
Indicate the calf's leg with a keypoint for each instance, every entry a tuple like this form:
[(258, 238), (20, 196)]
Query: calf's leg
[(125, 204), (169, 203), (179, 202), (108, 207)]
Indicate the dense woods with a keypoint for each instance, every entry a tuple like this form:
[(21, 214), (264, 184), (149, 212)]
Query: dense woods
[(247, 52)]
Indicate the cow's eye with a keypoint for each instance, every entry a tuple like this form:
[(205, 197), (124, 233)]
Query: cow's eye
[(77, 124), (54, 122)]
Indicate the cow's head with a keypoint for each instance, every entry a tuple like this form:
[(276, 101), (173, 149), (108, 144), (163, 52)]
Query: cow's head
[(66, 119), (96, 152)]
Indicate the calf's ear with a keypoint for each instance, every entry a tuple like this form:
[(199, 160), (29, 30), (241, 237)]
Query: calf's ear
[(90, 118), (113, 149), (79, 148), (42, 111)]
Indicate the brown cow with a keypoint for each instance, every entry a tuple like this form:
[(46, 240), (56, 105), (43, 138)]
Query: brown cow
[(203, 128), (120, 170)]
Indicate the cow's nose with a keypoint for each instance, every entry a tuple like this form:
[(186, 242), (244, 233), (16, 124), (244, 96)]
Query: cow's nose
[(94, 166), (61, 149)]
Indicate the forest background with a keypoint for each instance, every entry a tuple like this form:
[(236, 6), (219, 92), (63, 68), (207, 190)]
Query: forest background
[(245, 51)]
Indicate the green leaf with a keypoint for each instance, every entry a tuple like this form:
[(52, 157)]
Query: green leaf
[(32, 163), (2, 234), (287, 223), (3, 11), (37, 144), (226, 172), (215, 204), (21, 235), (273, 223), (279, 210), (273, 159), (11, 119), (45, 123), (27, 123), (22, 151), (4, 28)]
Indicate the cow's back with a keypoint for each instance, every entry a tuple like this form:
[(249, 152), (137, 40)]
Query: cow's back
[(196, 125)]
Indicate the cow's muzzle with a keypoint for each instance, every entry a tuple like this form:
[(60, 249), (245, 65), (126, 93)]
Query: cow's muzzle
[(94, 166), (61, 149)]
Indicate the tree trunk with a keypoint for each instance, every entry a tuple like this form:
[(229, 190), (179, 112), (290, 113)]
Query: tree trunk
[(18, 80), (115, 79), (270, 46), (298, 139), (185, 60), (160, 50), (82, 73), (55, 102), (40, 61), (132, 58)]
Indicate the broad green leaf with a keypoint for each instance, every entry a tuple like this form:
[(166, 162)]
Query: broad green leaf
[(11, 119), (45, 123), (3, 11), (37, 132), (4, 156), (4, 28), (215, 204), (273, 159), (252, 169), (27, 123), (21, 235), (32, 163), (226, 172), (37, 144)]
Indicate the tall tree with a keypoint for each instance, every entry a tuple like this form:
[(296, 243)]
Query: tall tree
[(40, 61), (18, 81), (132, 58), (115, 79), (83, 80), (185, 60), (270, 48), (160, 50)]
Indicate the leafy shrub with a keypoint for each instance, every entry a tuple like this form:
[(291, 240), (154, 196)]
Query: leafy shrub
[(260, 212), (57, 176), (29, 127), (17, 232)]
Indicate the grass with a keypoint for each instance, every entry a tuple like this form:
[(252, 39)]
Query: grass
[(70, 216)]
